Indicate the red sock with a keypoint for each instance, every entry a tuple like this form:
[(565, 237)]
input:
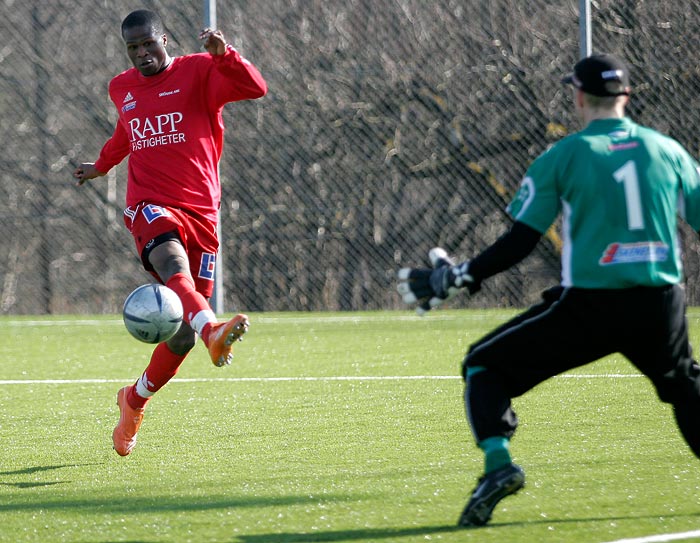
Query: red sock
[(162, 367), (193, 302), (205, 333)]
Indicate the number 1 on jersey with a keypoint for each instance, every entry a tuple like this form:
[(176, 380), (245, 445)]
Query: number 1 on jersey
[(627, 175)]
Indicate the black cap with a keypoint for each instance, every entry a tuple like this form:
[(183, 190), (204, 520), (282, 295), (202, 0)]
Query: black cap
[(600, 75)]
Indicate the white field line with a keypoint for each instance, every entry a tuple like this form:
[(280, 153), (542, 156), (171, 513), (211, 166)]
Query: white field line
[(297, 319), (233, 379), (319, 319), (286, 379), (661, 538)]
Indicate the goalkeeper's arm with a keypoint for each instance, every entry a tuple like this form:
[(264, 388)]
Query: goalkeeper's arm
[(505, 252), (430, 287)]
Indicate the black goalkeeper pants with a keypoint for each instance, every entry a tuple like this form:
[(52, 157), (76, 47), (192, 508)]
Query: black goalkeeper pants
[(572, 327)]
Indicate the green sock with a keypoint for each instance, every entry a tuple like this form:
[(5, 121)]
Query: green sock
[(474, 370), (497, 453)]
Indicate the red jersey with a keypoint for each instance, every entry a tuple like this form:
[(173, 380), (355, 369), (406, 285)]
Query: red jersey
[(171, 127)]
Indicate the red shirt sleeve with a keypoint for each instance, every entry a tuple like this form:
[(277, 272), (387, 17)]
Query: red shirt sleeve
[(234, 78), (114, 150)]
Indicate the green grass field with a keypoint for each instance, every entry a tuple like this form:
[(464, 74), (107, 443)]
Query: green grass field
[(328, 427)]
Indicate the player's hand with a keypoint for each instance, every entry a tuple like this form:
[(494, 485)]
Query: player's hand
[(431, 287), (214, 41), (86, 171)]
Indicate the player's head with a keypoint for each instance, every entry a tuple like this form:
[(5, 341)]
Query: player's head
[(142, 31), (601, 83)]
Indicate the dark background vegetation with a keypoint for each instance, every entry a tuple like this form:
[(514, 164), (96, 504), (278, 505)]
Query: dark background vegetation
[(390, 126)]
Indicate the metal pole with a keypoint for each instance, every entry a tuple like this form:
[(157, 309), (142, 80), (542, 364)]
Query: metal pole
[(210, 14), (217, 297), (585, 27), (40, 110)]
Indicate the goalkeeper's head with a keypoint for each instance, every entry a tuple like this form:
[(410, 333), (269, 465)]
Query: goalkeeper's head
[(601, 86)]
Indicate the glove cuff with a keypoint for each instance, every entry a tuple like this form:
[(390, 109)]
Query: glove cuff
[(461, 277)]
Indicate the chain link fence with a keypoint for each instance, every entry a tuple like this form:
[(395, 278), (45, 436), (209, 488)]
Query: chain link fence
[(389, 127)]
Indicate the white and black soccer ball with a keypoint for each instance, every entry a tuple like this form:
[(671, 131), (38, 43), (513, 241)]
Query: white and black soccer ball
[(152, 313)]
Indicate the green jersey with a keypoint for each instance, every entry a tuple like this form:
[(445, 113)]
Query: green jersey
[(620, 188)]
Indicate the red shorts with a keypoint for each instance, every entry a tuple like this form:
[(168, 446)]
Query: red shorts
[(152, 224)]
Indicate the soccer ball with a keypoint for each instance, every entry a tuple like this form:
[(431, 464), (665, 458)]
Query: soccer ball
[(152, 313)]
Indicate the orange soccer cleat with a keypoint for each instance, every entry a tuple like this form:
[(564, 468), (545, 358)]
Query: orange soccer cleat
[(124, 435), (222, 336)]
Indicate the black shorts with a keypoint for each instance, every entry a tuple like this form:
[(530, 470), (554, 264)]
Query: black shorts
[(574, 326)]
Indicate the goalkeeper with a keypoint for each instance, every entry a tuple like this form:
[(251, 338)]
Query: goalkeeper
[(620, 188)]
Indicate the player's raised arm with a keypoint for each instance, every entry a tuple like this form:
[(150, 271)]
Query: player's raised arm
[(214, 41), (235, 78)]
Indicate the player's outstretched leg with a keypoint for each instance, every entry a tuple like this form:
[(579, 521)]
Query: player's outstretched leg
[(222, 336), (686, 404), (124, 434), (490, 490)]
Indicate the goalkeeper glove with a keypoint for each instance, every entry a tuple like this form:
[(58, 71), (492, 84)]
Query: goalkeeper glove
[(431, 287)]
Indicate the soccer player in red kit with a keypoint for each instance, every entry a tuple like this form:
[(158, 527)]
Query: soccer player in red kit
[(170, 126)]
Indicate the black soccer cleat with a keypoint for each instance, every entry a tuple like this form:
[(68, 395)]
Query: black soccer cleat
[(490, 490)]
